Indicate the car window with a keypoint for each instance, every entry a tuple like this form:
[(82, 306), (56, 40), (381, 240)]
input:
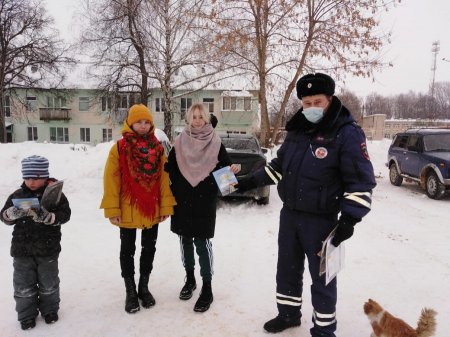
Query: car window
[(414, 143), (241, 144), (400, 141), (438, 142)]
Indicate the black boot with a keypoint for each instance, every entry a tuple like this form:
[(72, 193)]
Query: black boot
[(189, 286), (131, 300), (144, 294), (28, 324), (279, 324), (205, 299)]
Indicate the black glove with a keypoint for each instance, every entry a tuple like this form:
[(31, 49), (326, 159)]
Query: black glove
[(344, 230), (245, 184), (13, 213), (44, 216)]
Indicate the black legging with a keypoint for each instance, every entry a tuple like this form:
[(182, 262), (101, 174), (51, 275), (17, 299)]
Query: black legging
[(128, 248)]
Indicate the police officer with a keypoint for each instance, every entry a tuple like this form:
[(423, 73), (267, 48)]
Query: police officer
[(325, 179)]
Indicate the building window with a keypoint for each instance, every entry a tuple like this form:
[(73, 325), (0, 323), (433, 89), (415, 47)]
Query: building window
[(31, 103), (7, 106), (247, 103), (159, 105), (209, 104), (106, 103), (185, 105), (56, 102), (83, 103), (237, 103), (32, 133), (229, 103), (107, 135), (123, 102), (85, 135), (60, 135)]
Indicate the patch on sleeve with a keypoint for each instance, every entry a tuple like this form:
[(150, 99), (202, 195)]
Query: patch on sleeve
[(364, 150)]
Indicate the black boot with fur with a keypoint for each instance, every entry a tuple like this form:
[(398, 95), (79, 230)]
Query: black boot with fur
[(131, 300), (189, 286), (144, 294), (205, 299)]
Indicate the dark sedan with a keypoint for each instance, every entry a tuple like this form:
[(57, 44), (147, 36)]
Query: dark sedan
[(245, 151)]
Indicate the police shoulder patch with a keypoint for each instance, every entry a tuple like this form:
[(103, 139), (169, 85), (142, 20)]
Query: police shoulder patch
[(364, 151)]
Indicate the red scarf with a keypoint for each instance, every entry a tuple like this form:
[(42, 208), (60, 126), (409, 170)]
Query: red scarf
[(140, 159)]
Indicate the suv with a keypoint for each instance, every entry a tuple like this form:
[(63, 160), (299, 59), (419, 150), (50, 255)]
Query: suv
[(423, 156)]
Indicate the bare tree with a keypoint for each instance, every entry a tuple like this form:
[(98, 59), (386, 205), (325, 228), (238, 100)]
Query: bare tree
[(377, 104), (442, 96), (352, 103), (116, 48), (137, 42), (180, 56), (30, 51), (282, 39)]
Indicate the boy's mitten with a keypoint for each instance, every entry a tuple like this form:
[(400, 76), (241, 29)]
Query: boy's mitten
[(344, 229), (14, 213), (44, 216), (245, 184)]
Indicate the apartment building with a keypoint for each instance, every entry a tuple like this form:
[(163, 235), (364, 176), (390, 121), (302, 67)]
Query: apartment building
[(86, 116)]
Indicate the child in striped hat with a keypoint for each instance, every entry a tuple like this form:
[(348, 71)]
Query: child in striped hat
[(35, 245)]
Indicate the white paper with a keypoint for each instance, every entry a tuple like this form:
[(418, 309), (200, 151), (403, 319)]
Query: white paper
[(334, 261), (331, 258)]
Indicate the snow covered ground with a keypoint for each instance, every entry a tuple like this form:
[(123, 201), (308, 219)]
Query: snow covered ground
[(399, 256)]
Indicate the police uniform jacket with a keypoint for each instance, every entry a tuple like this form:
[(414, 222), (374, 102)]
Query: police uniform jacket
[(323, 168)]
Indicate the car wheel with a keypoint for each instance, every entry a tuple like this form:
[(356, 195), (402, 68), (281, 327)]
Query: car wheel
[(395, 178), (263, 201), (433, 187)]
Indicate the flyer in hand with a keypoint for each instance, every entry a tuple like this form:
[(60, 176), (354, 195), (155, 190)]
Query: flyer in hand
[(331, 258), (26, 203), (225, 180), (52, 195)]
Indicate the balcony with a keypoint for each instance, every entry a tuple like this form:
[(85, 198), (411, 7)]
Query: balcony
[(54, 114)]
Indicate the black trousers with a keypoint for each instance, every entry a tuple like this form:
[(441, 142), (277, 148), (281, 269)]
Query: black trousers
[(128, 248), (36, 286)]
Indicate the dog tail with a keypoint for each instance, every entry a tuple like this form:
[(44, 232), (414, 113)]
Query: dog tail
[(426, 326)]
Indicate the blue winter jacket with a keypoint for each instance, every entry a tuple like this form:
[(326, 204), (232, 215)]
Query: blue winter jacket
[(323, 168)]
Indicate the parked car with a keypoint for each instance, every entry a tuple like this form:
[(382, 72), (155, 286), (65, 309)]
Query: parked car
[(245, 151), (423, 156)]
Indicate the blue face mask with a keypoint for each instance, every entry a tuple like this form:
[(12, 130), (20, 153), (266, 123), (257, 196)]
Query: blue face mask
[(314, 114)]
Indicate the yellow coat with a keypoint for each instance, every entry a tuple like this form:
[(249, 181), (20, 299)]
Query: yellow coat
[(116, 205)]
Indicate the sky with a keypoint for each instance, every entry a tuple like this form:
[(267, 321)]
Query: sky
[(399, 256), (415, 25)]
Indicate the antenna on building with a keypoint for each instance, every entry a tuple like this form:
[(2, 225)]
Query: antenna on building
[(435, 47)]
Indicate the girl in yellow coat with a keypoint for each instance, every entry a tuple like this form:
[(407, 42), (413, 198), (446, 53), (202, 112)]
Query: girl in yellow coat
[(137, 196)]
